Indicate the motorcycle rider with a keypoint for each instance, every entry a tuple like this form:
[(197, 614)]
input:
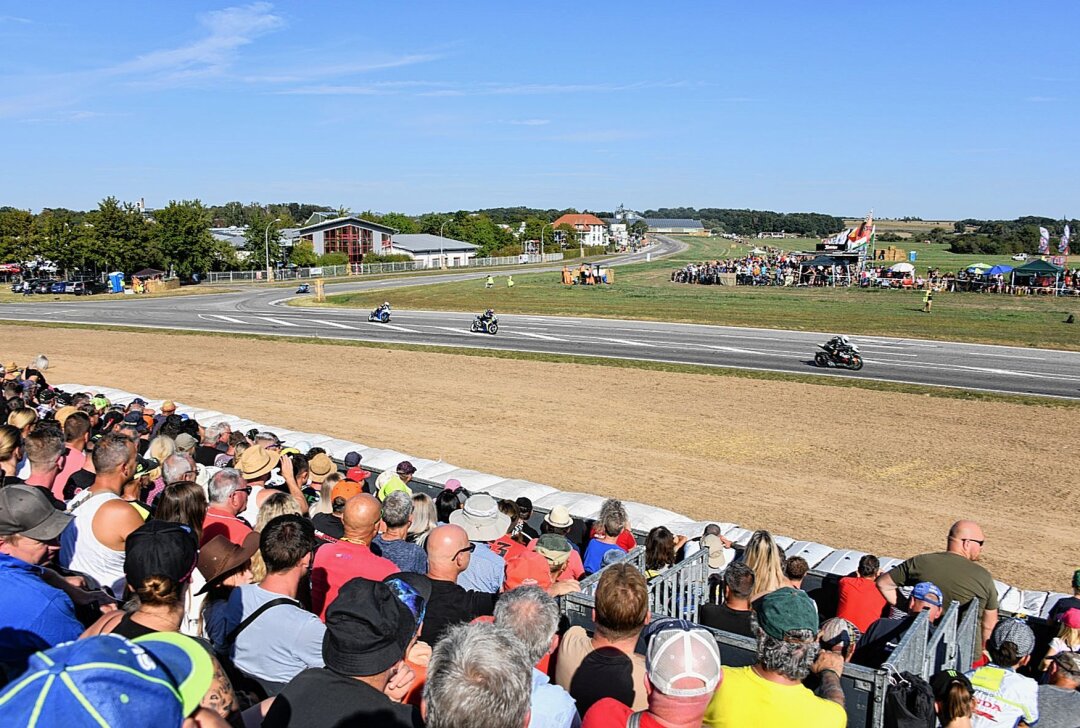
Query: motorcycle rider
[(837, 344), (487, 317), (379, 309)]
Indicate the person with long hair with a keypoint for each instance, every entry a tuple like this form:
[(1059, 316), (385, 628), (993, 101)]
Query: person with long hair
[(954, 699), (661, 546), (10, 454), (325, 504), (276, 504), (763, 556), (184, 502), (23, 419), (424, 518), (1068, 636)]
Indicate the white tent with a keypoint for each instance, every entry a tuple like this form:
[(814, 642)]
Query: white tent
[(903, 268)]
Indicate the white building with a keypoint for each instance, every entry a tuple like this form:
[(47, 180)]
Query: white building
[(591, 230), (431, 250)]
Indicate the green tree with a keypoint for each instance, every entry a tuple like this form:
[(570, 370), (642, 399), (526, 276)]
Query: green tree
[(640, 227), (60, 238), (257, 237), (16, 235), (182, 234), (120, 235), (399, 221), (303, 254)]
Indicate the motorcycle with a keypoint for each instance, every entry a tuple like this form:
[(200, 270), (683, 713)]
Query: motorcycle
[(303, 288), (487, 326), (381, 315), (844, 357)]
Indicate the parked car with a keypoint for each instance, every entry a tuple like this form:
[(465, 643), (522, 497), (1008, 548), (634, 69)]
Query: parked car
[(1020, 256), (58, 287), (86, 288), (18, 286)]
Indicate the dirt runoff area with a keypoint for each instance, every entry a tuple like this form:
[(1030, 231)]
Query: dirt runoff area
[(880, 472)]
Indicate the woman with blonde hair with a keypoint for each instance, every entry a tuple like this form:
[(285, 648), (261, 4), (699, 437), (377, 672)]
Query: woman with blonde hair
[(276, 504), (763, 556), (423, 518), (1068, 636), (22, 419), (325, 503), (10, 454), (160, 448)]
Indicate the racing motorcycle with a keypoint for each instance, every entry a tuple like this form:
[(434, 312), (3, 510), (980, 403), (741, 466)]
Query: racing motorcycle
[(488, 326), (381, 314), (845, 356)]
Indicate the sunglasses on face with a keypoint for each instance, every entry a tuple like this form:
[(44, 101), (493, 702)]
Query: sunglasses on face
[(246, 489), (467, 550)]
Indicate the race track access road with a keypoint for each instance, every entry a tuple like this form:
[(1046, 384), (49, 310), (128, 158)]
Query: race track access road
[(989, 368)]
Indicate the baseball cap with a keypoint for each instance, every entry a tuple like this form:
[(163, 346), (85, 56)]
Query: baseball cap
[(352, 459), (838, 631), (135, 421), (100, 403), (157, 679), (1070, 618), (320, 466), (784, 610), (367, 629), (528, 567), (405, 468), (554, 547), (928, 592), (24, 509), (345, 489), (219, 556), (356, 474), (145, 465), (675, 654), (716, 551), (1068, 661), (559, 517), (452, 484), (186, 442), (943, 681), (1015, 631), (139, 401), (160, 548)]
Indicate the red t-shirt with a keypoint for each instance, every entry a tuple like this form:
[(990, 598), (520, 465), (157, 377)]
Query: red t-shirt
[(626, 540), (575, 570), (221, 523), (610, 713), (860, 602), (506, 547), (336, 563)]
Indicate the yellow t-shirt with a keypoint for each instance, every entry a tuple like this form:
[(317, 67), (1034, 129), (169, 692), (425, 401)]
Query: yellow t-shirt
[(747, 700)]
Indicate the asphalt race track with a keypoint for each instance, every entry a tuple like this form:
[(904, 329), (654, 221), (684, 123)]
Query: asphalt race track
[(263, 311)]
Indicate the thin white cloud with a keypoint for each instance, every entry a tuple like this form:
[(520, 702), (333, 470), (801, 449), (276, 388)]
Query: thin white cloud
[(341, 69), (594, 136), (529, 122), (376, 88), (15, 19)]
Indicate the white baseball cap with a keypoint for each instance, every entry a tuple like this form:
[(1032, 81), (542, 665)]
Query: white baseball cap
[(674, 654)]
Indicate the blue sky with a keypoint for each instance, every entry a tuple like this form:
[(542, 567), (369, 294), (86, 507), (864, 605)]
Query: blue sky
[(938, 110)]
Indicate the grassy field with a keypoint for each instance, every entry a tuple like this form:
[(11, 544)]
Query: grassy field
[(644, 291)]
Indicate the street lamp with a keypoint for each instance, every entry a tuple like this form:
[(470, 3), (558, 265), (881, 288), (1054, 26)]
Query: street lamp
[(266, 240), (441, 228), (542, 237)]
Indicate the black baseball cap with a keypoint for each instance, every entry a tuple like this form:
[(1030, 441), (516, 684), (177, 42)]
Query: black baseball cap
[(367, 629), (26, 510), (160, 548), (136, 421)]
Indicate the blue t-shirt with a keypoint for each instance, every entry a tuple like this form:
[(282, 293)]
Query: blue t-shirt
[(34, 615), (277, 646), (594, 555), (406, 556)]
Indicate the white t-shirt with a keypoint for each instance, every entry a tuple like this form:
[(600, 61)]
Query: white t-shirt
[(1059, 645), (1003, 698)]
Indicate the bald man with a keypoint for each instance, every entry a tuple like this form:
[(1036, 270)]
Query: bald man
[(954, 571), (449, 551), (350, 557)]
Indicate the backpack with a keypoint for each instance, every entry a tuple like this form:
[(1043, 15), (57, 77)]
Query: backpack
[(909, 702)]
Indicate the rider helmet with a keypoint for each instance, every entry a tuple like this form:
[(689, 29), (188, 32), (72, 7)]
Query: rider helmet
[(386, 304), (844, 340), (490, 312)]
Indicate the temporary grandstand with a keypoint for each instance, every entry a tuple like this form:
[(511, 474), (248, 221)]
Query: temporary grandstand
[(679, 591)]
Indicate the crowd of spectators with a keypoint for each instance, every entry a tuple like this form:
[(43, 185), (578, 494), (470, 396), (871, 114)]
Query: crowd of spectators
[(185, 574)]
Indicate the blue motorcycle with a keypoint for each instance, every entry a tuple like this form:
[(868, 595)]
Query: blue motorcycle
[(485, 325), (381, 314)]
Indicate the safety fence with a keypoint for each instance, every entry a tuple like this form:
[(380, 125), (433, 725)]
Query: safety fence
[(679, 591), (578, 606)]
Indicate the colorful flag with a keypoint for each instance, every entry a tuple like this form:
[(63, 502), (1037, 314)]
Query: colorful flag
[(1044, 241), (1063, 246)]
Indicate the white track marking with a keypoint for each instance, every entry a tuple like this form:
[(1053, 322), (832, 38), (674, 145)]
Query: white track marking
[(628, 342), (230, 319), (1006, 356), (279, 322), (334, 324), (536, 336), (395, 328)]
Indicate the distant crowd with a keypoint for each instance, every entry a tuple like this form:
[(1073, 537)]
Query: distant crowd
[(156, 570)]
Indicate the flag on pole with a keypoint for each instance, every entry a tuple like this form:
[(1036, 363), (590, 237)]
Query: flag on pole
[(1063, 246), (1044, 241)]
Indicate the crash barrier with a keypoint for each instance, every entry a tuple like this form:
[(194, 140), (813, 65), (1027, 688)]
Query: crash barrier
[(910, 654), (682, 588), (578, 606), (826, 563)]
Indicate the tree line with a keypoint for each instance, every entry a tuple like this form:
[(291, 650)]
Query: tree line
[(751, 222), (1002, 237)]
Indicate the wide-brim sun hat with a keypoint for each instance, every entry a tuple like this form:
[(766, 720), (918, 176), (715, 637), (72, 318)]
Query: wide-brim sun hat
[(257, 461), (481, 518)]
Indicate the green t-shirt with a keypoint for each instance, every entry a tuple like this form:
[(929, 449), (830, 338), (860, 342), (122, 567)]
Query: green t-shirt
[(959, 578), (395, 483)]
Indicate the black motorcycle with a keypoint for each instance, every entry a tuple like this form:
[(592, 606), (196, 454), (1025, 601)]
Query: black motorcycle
[(488, 326), (843, 357)]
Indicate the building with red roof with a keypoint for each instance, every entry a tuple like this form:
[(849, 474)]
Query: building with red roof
[(591, 230)]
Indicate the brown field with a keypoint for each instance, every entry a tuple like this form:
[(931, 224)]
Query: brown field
[(883, 472)]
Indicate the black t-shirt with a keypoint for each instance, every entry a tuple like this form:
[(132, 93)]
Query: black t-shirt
[(329, 525), (879, 641), (723, 617), (450, 604), (79, 480), (1062, 606), (604, 673), (205, 455), (321, 698)]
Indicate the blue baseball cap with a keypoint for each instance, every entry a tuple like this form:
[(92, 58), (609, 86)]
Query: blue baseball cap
[(928, 593), (107, 680)]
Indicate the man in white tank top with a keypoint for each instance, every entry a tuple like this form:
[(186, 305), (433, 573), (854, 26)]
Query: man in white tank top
[(94, 542)]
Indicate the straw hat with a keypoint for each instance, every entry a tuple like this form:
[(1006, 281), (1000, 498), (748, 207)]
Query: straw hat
[(257, 461)]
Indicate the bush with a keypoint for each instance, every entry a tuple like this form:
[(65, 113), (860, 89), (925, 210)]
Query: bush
[(329, 259), (590, 250), (393, 258)]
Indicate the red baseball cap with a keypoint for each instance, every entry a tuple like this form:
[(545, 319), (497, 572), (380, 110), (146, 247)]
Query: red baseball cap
[(356, 474), (528, 567)]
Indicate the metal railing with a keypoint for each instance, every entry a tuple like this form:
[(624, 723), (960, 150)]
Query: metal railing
[(941, 649), (910, 654), (679, 591), (969, 636), (280, 274), (578, 606)]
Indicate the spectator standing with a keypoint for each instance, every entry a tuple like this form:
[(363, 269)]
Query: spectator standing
[(1004, 697), (525, 511), (1059, 699), (228, 499), (337, 563), (482, 520), (393, 543), (399, 480), (558, 521), (223, 566), (328, 526), (1068, 636), (733, 613), (606, 665), (954, 698), (683, 670), (269, 636), (76, 435), (1067, 603), (35, 616), (94, 545), (423, 518), (954, 571), (795, 570), (770, 692), (206, 452), (661, 546), (367, 632), (766, 559), (478, 677), (44, 448), (884, 635), (532, 617), (606, 533), (449, 551), (860, 601)]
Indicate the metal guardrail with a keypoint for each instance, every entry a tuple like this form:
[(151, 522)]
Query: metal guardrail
[(910, 654), (941, 648), (578, 606), (679, 591), (969, 637)]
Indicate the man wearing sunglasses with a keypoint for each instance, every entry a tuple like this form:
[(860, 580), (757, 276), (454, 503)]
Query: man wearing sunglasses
[(449, 552), (954, 571), (36, 616)]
